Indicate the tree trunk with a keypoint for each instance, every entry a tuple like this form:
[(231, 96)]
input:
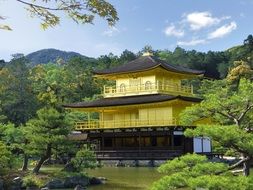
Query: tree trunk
[(43, 159), (36, 169), (25, 163), (246, 167)]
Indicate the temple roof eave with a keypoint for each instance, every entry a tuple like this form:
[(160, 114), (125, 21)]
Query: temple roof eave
[(144, 64), (128, 101)]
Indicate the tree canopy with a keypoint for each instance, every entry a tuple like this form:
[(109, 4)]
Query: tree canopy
[(196, 172), (82, 12), (46, 132)]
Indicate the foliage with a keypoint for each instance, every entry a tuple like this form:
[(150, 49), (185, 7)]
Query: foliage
[(45, 56), (13, 137), (75, 116), (195, 171), (215, 64), (4, 26), (48, 131), (223, 104), (5, 156), (18, 103), (240, 70), (32, 181), (229, 108), (84, 159), (227, 136), (51, 84), (79, 11)]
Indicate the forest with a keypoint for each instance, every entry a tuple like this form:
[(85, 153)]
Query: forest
[(33, 123)]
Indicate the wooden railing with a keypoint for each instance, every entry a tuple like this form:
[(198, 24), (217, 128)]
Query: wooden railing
[(150, 88), (115, 124)]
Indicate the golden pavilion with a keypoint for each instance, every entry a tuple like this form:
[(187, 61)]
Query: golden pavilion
[(138, 116)]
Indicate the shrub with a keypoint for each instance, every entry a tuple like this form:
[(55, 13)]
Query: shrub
[(32, 181)]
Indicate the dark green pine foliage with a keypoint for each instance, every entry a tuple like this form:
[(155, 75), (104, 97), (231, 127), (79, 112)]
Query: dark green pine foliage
[(46, 133), (194, 171)]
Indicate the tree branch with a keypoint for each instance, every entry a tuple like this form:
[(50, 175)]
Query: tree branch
[(221, 113), (49, 8), (239, 163), (248, 108), (233, 166), (239, 149)]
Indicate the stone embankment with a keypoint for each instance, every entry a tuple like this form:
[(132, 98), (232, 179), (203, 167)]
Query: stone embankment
[(73, 182)]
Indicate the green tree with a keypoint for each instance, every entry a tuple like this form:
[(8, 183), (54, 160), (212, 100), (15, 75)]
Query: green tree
[(52, 84), (13, 137), (2, 63), (82, 12), (84, 159), (80, 73), (231, 109), (180, 56), (18, 103), (127, 56), (46, 132), (194, 171), (5, 156), (240, 69), (249, 42)]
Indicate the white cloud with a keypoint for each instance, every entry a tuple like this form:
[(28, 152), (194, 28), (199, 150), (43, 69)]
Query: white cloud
[(193, 42), (173, 31), (199, 20), (111, 32), (222, 31)]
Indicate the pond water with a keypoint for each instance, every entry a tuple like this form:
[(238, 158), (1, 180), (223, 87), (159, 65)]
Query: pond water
[(125, 178)]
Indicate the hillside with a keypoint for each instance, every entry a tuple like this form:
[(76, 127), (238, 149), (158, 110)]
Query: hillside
[(52, 55)]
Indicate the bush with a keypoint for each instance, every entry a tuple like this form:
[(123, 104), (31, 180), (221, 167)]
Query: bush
[(84, 159), (5, 156), (32, 181)]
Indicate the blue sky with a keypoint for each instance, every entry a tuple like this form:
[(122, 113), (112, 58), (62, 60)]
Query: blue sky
[(202, 25)]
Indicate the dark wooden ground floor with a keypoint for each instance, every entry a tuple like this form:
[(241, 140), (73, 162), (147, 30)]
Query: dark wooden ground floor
[(140, 144)]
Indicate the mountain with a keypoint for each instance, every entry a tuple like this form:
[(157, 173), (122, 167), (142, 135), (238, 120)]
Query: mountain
[(52, 55)]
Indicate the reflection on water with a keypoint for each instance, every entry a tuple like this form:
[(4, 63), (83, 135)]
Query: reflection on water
[(131, 178)]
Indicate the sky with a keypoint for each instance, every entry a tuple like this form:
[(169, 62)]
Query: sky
[(202, 25)]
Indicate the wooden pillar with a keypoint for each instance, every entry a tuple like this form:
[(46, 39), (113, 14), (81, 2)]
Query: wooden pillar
[(103, 142), (113, 142), (88, 115), (102, 119), (172, 140), (139, 136)]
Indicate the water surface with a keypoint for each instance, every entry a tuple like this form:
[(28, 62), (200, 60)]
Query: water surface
[(125, 178)]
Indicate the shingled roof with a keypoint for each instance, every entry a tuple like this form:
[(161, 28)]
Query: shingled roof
[(130, 100), (144, 63)]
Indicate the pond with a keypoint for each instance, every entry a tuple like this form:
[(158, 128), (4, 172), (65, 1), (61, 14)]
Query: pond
[(125, 178)]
